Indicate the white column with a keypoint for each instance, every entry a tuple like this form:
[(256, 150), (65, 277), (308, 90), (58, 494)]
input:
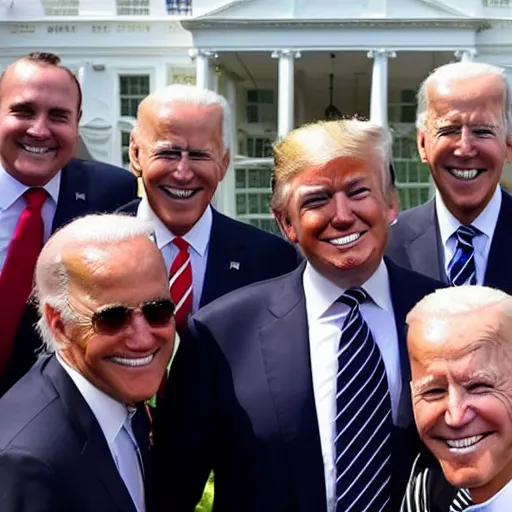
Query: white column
[(286, 87), (467, 55), (379, 92), (203, 72)]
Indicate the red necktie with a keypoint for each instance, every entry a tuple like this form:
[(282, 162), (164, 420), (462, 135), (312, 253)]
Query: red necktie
[(17, 274), (181, 282)]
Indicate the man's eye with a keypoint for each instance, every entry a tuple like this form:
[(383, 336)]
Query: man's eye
[(313, 201), (359, 191), (199, 156), (478, 386), (483, 132), (433, 394)]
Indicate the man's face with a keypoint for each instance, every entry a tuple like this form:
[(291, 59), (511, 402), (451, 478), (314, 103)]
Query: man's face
[(465, 142), (180, 186), (127, 364), (339, 216), (38, 122), (462, 397)]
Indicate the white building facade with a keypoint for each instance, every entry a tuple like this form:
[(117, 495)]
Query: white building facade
[(274, 60)]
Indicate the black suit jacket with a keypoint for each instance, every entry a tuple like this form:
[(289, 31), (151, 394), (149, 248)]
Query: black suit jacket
[(260, 255), (240, 400), (85, 187), (53, 454), (415, 243)]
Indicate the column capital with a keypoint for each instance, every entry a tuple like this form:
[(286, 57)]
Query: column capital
[(381, 52), (286, 52), (193, 53), (466, 55)]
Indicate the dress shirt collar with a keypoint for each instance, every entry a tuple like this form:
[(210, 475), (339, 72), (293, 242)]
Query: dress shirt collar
[(110, 413), (12, 189), (485, 222), (501, 501), (198, 237), (321, 293)]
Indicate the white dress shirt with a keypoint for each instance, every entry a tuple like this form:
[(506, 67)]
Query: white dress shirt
[(500, 502), (198, 238), (12, 204), (485, 222), (325, 320), (111, 416)]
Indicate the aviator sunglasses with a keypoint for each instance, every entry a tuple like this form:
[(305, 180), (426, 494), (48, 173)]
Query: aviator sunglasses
[(112, 319)]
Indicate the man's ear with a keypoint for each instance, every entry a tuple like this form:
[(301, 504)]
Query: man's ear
[(225, 163), (133, 153), (285, 226), (56, 324), (508, 158), (420, 143)]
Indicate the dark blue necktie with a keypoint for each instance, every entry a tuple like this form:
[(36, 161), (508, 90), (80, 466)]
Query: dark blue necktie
[(363, 416), (461, 501), (461, 269)]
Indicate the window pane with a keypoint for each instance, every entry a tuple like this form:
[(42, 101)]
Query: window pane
[(240, 178), (241, 204)]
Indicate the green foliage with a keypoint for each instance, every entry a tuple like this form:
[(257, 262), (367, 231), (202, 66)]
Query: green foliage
[(206, 503)]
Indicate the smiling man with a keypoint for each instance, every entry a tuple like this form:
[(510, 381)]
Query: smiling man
[(464, 134), (461, 361), (180, 148), (73, 431), (295, 390), (41, 188)]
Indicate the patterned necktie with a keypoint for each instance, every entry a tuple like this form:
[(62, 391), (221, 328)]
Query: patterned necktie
[(461, 269), (181, 282), (461, 501), (363, 416), (17, 274)]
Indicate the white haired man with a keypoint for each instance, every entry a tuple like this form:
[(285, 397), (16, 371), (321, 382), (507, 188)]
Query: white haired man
[(459, 342), (180, 148), (74, 434), (295, 390), (464, 134)]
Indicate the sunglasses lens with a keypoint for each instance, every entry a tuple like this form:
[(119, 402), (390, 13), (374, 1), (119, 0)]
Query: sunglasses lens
[(111, 320), (158, 313)]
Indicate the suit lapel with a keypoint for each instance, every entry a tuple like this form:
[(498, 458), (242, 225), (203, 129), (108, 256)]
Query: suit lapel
[(496, 274), (96, 457), (424, 250), (285, 347), (73, 194)]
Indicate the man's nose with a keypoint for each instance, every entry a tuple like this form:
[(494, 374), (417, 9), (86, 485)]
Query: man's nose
[(140, 336), (39, 128), (183, 170), (342, 214), (458, 411), (465, 147)]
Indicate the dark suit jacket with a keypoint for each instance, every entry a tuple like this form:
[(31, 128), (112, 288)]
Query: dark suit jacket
[(415, 243), (53, 454), (240, 400), (85, 187), (260, 255)]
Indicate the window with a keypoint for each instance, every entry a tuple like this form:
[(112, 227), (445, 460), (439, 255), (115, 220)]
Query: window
[(497, 3), (261, 107), (132, 90), (183, 7), (252, 185), (132, 7), (60, 7)]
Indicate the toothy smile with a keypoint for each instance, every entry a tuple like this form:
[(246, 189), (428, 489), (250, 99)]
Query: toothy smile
[(464, 444), (179, 193), (345, 240), (133, 362), (37, 150), (464, 174)]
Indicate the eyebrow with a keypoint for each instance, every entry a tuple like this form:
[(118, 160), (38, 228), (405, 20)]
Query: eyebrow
[(419, 385)]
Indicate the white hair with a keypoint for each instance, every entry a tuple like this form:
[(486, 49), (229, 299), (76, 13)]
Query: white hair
[(456, 71), (193, 95), (459, 300), (51, 275)]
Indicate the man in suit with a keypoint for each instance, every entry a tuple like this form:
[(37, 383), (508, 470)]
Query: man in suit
[(180, 148), (464, 134), (41, 188), (461, 362), (295, 390), (74, 434)]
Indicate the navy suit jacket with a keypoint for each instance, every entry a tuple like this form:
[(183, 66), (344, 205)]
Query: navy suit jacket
[(260, 255), (53, 454), (240, 400), (85, 187), (415, 243)]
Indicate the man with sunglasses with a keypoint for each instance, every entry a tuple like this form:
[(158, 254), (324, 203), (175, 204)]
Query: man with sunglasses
[(74, 434), (181, 150)]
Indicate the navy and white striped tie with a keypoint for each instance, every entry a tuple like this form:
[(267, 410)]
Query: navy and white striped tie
[(461, 269), (363, 416), (461, 501)]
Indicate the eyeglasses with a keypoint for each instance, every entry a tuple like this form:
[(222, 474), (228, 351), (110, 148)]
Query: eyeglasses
[(112, 319)]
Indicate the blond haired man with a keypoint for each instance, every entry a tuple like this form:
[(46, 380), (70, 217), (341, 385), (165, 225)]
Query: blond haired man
[(273, 357)]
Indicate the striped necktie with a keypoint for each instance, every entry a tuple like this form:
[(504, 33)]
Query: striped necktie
[(461, 269), (180, 282), (461, 501), (363, 416)]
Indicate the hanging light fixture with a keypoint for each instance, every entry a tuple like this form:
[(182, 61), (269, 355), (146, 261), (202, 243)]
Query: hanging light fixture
[(332, 112)]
